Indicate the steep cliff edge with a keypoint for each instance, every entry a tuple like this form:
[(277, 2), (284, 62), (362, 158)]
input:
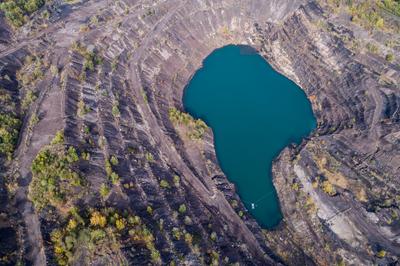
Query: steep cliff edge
[(102, 77)]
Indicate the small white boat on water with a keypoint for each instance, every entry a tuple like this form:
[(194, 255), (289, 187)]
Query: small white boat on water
[(253, 206)]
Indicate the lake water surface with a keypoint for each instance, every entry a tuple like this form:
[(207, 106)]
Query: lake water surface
[(254, 113)]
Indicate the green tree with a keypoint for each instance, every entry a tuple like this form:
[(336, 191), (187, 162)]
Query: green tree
[(390, 58), (164, 184), (114, 160), (104, 190), (182, 208)]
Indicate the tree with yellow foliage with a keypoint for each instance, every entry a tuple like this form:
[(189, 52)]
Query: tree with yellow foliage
[(329, 188), (120, 224), (72, 224), (98, 219)]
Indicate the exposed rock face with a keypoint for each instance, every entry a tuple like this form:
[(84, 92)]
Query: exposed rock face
[(150, 50)]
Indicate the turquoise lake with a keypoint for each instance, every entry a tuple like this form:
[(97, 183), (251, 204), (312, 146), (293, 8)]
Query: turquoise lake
[(254, 113)]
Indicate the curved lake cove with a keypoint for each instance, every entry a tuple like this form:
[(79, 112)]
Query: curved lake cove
[(254, 113)]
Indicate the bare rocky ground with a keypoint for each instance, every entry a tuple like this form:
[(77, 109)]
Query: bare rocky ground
[(149, 51)]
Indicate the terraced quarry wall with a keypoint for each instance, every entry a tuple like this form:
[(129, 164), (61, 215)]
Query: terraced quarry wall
[(337, 190)]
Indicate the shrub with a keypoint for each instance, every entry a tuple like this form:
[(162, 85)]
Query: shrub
[(164, 184), (94, 20), (150, 210), (82, 109), (177, 180), (381, 254), (213, 236), (188, 238), (176, 233), (114, 178), (188, 220), (115, 110), (214, 258), (58, 138), (295, 186), (141, 234), (104, 190), (85, 156), (390, 58), (120, 224), (72, 224), (328, 188), (182, 208), (72, 156), (33, 121), (155, 256), (108, 167), (234, 203), (149, 157), (54, 70), (114, 160), (97, 234)]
